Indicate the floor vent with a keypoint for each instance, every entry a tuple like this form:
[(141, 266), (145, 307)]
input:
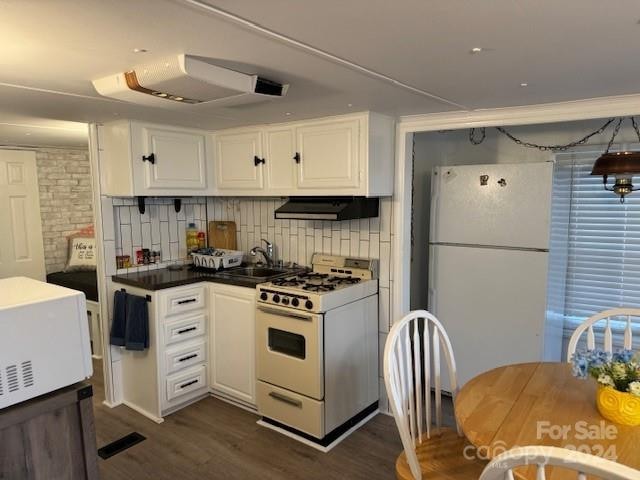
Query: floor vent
[(12, 378), (1, 384), (120, 445), (27, 374)]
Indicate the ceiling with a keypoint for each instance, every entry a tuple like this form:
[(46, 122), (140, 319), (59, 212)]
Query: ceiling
[(401, 58), (23, 130)]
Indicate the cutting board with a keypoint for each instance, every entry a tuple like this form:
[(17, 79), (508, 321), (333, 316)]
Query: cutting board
[(223, 235)]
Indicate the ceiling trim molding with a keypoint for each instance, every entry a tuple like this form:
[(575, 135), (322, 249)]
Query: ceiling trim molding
[(58, 92), (615, 106), (23, 146), (315, 51), (48, 127)]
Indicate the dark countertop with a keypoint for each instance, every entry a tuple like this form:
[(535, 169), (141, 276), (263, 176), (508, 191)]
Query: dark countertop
[(164, 278)]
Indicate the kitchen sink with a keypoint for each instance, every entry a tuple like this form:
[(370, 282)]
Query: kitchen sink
[(257, 272)]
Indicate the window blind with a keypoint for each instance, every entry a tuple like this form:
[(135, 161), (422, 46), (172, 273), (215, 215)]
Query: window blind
[(602, 241)]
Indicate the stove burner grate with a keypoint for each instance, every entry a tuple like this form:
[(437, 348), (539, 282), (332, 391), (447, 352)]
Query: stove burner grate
[(319, 287), (287, 282), (313, 276), (344, 280)]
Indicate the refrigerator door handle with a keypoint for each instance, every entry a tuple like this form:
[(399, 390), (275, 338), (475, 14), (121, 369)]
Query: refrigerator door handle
[(431, 291), (436, 173), (431, 301)]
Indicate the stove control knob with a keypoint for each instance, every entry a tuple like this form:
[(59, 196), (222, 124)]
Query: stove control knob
[(276, 298), (263, 296), (308, 304), (285, 300), (295, 302)]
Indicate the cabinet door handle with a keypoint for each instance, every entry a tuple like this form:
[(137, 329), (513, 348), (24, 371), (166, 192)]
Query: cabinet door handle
[(285, 399), (185, 330), (185, 385), (188, 300), (296, 157), (151, 158), (188, 357), (257, 160)]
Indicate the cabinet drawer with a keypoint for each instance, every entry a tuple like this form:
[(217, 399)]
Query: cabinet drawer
[(184, 356), (184, 300), (297, 411), (189, 327), (179, 385)]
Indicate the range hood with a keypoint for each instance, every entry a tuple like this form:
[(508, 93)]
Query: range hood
[(328, 208), (187, 80)]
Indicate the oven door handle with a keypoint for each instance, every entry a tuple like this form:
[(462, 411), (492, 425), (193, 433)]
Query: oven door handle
[(285, 399), (284, 313)]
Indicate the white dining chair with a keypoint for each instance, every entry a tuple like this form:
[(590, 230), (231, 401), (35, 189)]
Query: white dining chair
[(413, 357), (539, 458), (630, 317)]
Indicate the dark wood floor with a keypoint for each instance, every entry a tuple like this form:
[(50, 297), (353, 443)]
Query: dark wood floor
[(214, 440)]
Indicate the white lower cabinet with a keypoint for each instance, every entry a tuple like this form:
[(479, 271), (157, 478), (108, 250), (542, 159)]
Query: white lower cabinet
[(173, 371), (232, 313), (201, 341)]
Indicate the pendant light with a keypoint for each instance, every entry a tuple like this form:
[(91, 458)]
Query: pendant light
[(623, 165)]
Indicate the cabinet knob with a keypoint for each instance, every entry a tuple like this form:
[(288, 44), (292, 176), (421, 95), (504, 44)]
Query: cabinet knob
[(257, 160), (151, 158), (296, 157)]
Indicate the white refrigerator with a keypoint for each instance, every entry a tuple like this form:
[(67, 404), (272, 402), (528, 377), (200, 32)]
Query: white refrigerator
[(488, 264)]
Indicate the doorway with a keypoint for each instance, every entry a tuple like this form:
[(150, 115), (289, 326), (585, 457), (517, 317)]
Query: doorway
[(21, 243)]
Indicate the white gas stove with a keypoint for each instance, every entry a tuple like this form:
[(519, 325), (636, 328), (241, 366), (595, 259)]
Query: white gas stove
[(317, 350), (333, 282)]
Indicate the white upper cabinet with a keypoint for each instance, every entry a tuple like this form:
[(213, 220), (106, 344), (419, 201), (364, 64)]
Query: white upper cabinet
[(280, 150), (328, 155), (140, 159), (238, 161), (174, 160), (345, 155)]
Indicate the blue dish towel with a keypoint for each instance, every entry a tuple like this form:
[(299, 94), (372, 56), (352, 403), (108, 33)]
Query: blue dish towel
[(119, 319), (136, 335), (130, 326)]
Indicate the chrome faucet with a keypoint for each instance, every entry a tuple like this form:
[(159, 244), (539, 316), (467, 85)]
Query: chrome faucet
[(266, 253)]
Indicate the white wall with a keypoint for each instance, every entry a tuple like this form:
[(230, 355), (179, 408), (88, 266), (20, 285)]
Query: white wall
[(453, 148)]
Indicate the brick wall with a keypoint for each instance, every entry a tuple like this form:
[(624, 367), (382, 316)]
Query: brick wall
[(64, 180)]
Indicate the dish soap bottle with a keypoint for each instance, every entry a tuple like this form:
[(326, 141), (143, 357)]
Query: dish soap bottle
[(192, 238)]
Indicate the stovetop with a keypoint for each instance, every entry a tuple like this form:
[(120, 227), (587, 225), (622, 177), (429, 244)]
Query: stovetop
[(334, 281), (315, 282)]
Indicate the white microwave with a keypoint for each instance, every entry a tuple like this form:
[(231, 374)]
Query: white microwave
[(44, 339)]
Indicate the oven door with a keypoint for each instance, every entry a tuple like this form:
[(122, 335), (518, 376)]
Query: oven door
[(290, 350)]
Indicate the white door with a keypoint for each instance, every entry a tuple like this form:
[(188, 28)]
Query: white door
[(329, 155), (232, 342), (492, 304), (179, 160), (239, 162), (280, 160), (498, 204), (21, 249)]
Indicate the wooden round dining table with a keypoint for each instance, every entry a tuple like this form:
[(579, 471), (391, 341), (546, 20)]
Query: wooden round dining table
[(540, 404)]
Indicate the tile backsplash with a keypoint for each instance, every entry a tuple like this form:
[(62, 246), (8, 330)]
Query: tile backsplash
[(297, 240), (160, 228)]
